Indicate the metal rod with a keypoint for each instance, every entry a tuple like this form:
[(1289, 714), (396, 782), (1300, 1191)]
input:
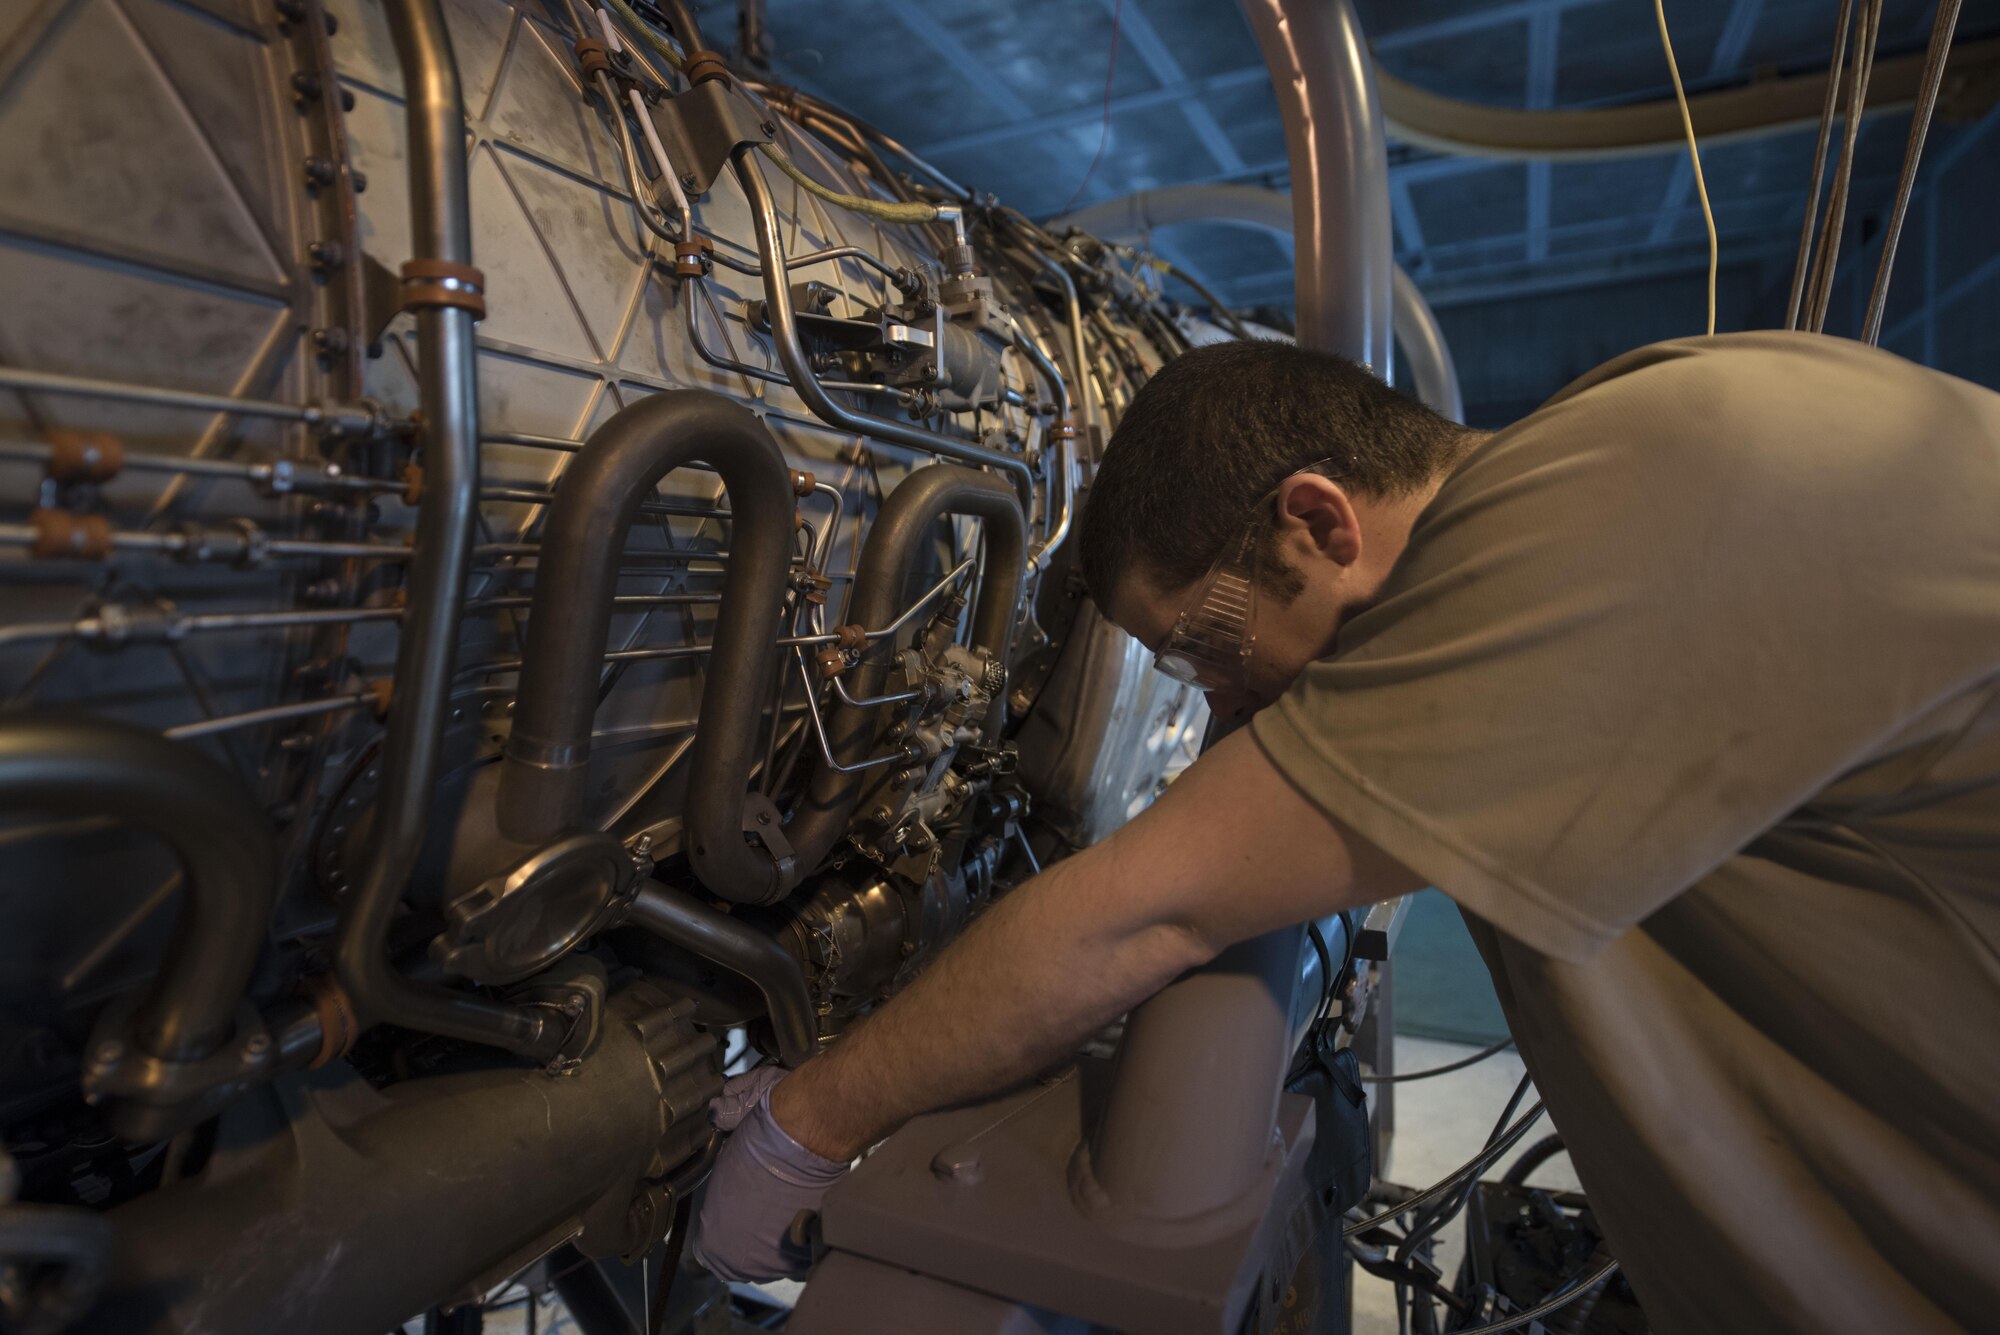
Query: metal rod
[(345, 418), (1803, 263), (188, 732), (231, 544), (674, 651), (897, 698), (1920, 123), (819, 728), (284, 474)]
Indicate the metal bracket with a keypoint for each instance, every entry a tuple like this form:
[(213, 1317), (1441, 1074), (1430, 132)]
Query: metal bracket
[(701, 127), (762, 819)]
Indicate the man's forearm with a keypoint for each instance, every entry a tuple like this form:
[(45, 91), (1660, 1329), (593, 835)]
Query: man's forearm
[(1229, 851), (1030, 980)]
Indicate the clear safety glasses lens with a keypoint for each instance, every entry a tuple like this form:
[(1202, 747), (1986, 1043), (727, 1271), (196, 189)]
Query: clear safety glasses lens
[(1211, 642)]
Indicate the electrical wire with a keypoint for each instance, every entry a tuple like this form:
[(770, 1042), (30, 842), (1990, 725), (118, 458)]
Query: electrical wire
[(1562, 1297), (1446, 1069), (1694, 156), (1104, 128), (881, 209), (1473, 1166), (661, 45)]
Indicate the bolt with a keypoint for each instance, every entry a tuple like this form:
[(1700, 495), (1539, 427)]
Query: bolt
[(769, 127), (330, 342), (357, 180), (326, 254), (109, 1052), (688, 179), (346, 94), (574, 1005), (307, 87), (332, 25), (763, 818), (320, 171), (881, 815), (255, 1046)]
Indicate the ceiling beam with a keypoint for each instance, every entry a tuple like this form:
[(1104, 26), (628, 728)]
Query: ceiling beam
[(1158, 58), (1057, 121), (954, 53)]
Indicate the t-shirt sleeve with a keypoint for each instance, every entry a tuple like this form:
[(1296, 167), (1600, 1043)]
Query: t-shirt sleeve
[(1636, 630)]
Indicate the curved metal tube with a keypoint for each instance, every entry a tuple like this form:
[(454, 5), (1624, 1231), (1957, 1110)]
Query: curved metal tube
[(785, 337), (895, 543), (1325, 82), (541, 784), (441, 228), (1759, 108), (85, 766), (1135, 216), (729, 943), (1432, 370)]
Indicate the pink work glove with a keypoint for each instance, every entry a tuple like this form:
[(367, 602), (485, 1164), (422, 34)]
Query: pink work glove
[(763, 1180)]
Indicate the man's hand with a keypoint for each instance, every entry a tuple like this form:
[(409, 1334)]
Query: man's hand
[(763, 1181)]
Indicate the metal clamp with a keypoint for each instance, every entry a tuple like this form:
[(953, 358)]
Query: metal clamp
[(435, 284)]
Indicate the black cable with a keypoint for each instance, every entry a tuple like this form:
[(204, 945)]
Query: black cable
[(1477, 1164), (1562, 1297), (1446, 1069), (1537, 1154)]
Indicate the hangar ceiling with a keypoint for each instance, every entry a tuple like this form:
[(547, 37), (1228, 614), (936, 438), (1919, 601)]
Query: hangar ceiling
[(1010, 97)]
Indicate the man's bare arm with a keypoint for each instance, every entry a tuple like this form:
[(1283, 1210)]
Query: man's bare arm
[(1230, 851)]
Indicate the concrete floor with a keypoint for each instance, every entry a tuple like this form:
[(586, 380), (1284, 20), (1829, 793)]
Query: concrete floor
[(1440, 1123)]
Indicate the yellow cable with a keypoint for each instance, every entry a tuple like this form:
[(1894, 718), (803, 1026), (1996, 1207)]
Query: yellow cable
[(1694, 156), (870, 208), (646, 33)]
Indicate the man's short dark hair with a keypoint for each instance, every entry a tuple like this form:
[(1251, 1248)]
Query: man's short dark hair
[(1218, 428)]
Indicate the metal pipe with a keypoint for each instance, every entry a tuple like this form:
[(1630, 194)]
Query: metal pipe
[(540, 791), (902, 531), (1136, 216), (785, 335), (440, 229), (73, 765), (1065, 461), (681, 919), (346, 419), (1186, 1128), (336, 1208), (1431, 368), (1325, 82), (1759, 108)]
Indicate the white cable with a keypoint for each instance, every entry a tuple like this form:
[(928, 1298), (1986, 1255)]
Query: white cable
[(660, 156), (1694, 155)]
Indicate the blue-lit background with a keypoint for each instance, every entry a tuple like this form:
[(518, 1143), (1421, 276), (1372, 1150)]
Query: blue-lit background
[(1539, 271)]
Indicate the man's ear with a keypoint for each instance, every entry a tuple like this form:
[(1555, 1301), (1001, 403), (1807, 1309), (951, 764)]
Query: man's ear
[(1315, 511)]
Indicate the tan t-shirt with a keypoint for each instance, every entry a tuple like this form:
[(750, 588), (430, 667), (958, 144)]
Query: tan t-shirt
[(1687, 689)]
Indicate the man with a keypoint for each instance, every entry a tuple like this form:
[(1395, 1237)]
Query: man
[(1686, 688)]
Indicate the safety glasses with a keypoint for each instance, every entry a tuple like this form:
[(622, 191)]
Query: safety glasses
[(1212, 642)]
